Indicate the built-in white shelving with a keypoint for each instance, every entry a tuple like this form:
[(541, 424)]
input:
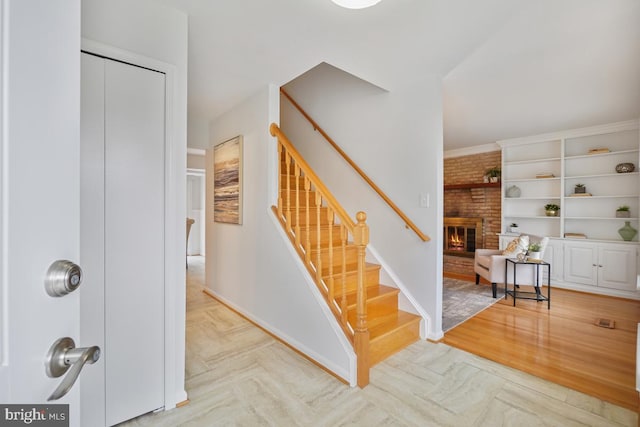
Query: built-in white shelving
[(602, 262), (564, 156)]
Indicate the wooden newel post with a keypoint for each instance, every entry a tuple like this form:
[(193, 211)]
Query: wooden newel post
[(361, 239)]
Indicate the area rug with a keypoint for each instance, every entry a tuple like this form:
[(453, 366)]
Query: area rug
[(462, 300)]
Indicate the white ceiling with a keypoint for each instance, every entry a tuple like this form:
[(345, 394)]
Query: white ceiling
[(557, 65), (512, 67)]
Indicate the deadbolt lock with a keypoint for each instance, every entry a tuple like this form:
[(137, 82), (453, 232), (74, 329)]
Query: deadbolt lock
[(63, 277)]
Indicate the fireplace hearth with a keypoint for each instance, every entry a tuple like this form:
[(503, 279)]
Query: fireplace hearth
[(462, 236)]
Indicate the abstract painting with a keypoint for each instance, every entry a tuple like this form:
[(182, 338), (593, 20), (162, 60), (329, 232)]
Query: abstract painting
[(227, 170)]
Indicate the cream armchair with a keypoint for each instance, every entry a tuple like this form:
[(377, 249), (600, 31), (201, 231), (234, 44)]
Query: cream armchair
[(490, 265)]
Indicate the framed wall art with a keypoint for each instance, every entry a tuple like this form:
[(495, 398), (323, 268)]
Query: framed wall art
[(227, 170)]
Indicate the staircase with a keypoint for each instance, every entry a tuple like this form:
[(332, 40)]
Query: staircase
[(333, 248)]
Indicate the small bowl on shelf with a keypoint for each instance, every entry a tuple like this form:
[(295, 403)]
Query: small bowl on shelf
[(625, 167)]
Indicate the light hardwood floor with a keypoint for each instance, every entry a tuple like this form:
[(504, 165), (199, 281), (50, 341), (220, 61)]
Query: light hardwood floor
[(562, 344), (237, 375)]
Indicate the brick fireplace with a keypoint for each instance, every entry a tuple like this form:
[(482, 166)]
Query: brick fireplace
[(462, 199), (462, 236)]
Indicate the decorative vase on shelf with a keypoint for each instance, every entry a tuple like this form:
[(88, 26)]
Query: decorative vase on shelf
[(627, 232), (513, 191)]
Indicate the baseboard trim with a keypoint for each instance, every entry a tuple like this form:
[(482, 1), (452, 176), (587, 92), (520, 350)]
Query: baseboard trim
[(562, 286), (277, 338)]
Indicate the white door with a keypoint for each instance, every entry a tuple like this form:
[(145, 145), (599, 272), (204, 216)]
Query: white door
[(39, 207), (617, 267), (553, 255), (581, 263), (122, 229), (195, 211)]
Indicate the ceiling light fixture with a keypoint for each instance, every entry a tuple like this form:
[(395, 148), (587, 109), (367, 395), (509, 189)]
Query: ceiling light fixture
[(355, 4)]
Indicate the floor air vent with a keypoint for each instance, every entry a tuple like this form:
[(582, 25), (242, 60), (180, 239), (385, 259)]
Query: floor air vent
[(606, 323)]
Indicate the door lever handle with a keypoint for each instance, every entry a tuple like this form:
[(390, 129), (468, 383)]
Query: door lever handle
[(63, 356)]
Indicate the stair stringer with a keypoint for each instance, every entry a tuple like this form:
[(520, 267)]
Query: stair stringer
[(406, 301), (351, 375)]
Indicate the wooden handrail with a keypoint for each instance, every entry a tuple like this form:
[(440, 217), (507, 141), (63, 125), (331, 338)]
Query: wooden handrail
[(364, 176)]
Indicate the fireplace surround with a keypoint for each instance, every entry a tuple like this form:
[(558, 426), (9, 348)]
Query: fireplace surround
[(462, 236)]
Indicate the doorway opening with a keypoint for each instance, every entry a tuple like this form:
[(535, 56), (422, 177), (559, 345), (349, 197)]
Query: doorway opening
[(196, 212)]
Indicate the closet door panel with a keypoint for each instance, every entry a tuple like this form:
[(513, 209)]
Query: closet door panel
[(92, 302), (134, 240)]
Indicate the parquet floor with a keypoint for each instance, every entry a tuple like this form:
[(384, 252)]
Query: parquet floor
[(563, 344), (237, 375)]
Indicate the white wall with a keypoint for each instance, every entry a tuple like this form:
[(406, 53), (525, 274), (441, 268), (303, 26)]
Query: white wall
[(145, 28), (252, 266), (396, 138), (198, 131), (196, 161)]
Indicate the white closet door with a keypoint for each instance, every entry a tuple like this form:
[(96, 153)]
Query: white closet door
[(134, 240), (92, 305), (122, 237)]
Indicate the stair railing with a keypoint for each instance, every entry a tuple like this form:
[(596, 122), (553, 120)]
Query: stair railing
[(396, 209), (304, 199)]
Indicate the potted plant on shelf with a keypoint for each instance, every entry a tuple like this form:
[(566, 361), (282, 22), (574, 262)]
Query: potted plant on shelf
[(493, 174), (514, 228), (623, 212), (551, 209), (534, 251), (580, 189)]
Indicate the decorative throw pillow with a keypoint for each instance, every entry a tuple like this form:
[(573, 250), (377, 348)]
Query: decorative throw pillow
[(519, 245)]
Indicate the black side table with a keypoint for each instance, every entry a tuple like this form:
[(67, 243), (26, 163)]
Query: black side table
[(537, 295)]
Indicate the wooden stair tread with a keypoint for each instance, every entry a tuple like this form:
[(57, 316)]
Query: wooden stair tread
[(323, 227), (350, 269), (373, 293), (324, 235), (383, 325), (337, 251), (314, 209), (392, 334), (386, 325)]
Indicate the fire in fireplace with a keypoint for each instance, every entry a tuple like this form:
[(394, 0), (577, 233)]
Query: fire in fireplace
[(462, 236), (456, 242)]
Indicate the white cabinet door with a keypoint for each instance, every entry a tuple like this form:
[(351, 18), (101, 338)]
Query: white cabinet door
[(553, 254), (617, 267), (580, 263)]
